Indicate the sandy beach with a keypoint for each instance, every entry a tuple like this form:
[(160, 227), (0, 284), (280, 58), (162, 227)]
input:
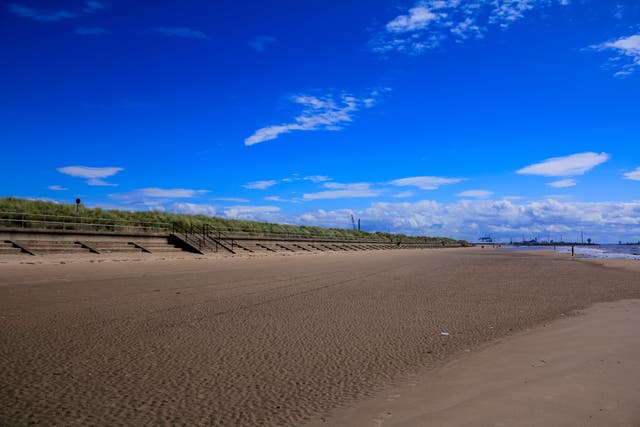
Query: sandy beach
[(323, 339), (578, 371)]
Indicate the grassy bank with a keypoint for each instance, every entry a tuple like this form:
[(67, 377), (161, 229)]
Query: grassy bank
[(38, 210)]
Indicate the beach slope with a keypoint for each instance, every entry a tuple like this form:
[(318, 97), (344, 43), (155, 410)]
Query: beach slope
[(264, 341)]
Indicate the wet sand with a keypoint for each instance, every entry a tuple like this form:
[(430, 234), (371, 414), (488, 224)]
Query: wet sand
[(578, 371), (263, 341)]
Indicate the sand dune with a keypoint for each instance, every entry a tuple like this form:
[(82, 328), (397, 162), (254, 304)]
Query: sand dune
[(262, 341)]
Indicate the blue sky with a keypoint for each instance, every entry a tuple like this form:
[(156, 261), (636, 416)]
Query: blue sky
[(437, 117)]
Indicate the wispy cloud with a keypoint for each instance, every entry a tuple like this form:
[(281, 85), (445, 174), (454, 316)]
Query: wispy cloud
[(628, 47), (232, 199), (317, 178), (336, 190), (403, 194), (429, 23), (91, 31), (574, 164), (181, 32), (261, 43), (260, 185), (161, 199), (563, 183), (159, 193), (633, 175), (40, 15), (93, 6), (264, 184), (57, 188), (328, 112), (618, 11), (476, 194), (274, 199), (418, 18), (94, 176), (283, 199), (193, 209), (252, 212), (52, 15), (426, 182)]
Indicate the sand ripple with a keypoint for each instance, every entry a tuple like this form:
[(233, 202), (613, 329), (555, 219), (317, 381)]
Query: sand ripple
[(267, 341)]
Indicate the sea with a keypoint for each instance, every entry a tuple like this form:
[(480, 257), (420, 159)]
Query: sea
[(591, 251)]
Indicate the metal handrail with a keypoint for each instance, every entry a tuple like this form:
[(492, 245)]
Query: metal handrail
[(231, 234), (76, 218), (205, 230), (64, 225)]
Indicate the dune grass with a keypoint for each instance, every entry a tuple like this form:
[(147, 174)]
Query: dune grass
[(38, 210)]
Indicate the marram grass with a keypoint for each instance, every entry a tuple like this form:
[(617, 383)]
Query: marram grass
[(43, 210)]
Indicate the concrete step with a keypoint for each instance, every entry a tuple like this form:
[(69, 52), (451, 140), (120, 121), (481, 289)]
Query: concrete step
[(155, 246), (242, 247), (118, 250), (259, 247), (285, 247), (109, 247), (41, 247), (8, 250), (316, 247), (168, 249), (60, 250), (301, 247), (46, 243)]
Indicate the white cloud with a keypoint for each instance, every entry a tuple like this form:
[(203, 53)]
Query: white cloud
[(57, 188), (260, 185), (418, 18), (425, 182), (93, 175), (633, 175), (93, 6), (429, 23), (319, 113), (258, 213), (563, 183), (343, 191), (403, 194), (506, 12), (574, 164), (317, 178), (313, 178), (469, 219), (261, 43), (55, 15), (91, 31), (159, 193), (281, 199), (618, 12), (477, 194), (465, 219), (625, 46), (181, 32), (194, 209), (39, 15), (232, 199)]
